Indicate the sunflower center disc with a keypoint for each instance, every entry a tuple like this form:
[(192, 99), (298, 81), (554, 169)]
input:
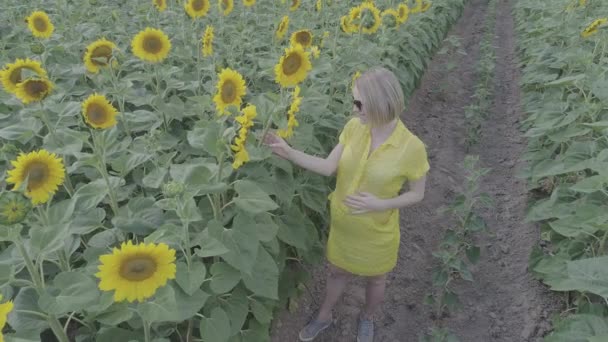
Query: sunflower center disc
[(291, 64), (303, 38), (138, 268), (100, 53), (198, 5), (152, 44), (228, 92), (35, 88), (37, 173), (96, 114), (40, 24)]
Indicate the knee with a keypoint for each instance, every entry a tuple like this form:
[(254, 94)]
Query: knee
[(336, 272), (377, 280)]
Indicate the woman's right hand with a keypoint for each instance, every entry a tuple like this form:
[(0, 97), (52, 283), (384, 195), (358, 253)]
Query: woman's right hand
[(277, 145)]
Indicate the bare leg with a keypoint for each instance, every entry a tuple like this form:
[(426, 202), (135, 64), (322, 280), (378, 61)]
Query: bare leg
[(336, 283), (374, 295)]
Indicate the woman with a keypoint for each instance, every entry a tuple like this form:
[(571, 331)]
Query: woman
[(375, 155)]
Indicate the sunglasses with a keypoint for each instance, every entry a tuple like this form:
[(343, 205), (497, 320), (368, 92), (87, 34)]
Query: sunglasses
[(358, 104)]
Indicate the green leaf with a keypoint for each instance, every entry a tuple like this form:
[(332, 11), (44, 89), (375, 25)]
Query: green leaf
[(209, 246), (190, 279), (252, 199), (89, 195), (155, 178), (65, 141), (188, 305), (190, 212), (217, 327), (61, 212), (48, 239), (26, 300), (242, 249), (473, 253), (261, 312), (580, 328), (264, 278), (224, 277), (207, 138), (161, 307), (77, 291), (115, 314), (237, 309), (194, 175), (114, 334), (584, 275)]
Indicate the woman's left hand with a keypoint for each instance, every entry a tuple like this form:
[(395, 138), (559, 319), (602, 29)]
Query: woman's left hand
[(364, 202)]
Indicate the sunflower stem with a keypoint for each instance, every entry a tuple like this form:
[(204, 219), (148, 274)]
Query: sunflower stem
[(101, 156), (57, 329), (157, 83), (45, 119), (146, 330), (29, 265)]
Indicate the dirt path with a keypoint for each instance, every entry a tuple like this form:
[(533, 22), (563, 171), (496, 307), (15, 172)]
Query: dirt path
[(504, 303)]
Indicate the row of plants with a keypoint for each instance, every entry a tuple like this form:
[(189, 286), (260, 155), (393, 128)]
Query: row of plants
[(138, 201), (477, 112), (458, 252), (563, 52)]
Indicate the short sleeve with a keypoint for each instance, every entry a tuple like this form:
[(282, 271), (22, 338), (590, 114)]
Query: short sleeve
[(417, 164), (347, 131)]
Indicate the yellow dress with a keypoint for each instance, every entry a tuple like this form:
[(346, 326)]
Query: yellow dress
[(367, 244)]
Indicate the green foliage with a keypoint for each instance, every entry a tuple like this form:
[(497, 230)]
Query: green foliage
[(564, 94)]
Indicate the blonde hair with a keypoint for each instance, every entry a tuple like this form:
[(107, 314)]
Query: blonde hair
[(381, 95)]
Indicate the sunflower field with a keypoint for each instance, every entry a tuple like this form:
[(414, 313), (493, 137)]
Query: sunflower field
[(138, 202), (563, 47)]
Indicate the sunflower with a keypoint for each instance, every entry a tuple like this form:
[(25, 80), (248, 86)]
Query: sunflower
[(403, 13), (346, 25), (98, 112), (302, 37), (135, 272), (230, 90), (241, 155), (33, 89), (282, 28), (43, 172), (390, 18), (366, 17), (593, 27), (14, 207), (418, 7), (208, 41), (294, 5), (98, 54), (160, 5), (12, 74), (292, 122), (4, 310), (316, 53), (319, 5), (197, 8), (425, 7), (249, 3), (226, 6), (151, 45), (293, 66), (39, 23)]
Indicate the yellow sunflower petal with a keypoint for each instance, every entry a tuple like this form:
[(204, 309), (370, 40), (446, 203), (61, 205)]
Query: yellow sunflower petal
[(40, 25), (160, 5), (293, 66), (249, 3), (294, 5), (43, 171), (13, 73), (302, 37), (33, 90), (226, 6), (230, 90), (98, 54), (197, 8), (282, 28), (135, 272), (98, 112), (208, 41), (151, 45)]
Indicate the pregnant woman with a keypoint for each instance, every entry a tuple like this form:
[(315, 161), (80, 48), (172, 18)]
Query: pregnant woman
[(375, 156)]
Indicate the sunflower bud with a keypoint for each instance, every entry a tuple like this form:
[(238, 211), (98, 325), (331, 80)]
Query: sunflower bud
[(173, 189), (14, 207), (37, 48)]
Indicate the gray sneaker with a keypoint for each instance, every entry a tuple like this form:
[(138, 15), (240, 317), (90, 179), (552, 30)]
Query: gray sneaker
[(366, 330), (312, 329)]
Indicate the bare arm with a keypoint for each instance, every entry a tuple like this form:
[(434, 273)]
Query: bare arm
[(323, 166)]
